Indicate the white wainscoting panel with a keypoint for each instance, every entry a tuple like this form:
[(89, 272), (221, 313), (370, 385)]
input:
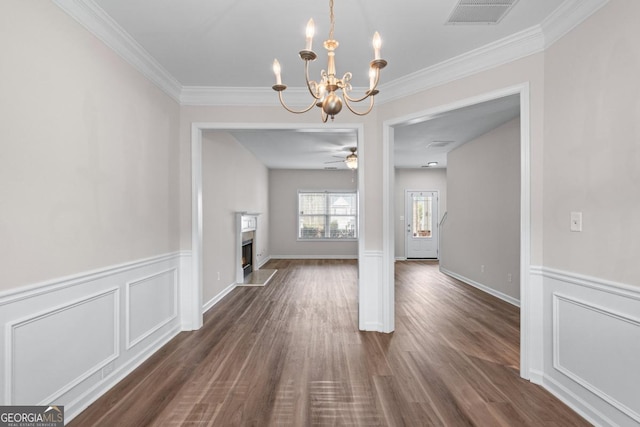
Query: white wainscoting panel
[(591, 346), (152, 302), (370, 291), (44, 363), (581, 329), (69, 340)]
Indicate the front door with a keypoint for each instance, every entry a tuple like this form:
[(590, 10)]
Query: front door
[(422, 224)]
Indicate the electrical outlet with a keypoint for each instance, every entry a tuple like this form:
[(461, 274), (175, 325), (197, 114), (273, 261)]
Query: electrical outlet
[(482, 268), (218, 275), (509, 278)]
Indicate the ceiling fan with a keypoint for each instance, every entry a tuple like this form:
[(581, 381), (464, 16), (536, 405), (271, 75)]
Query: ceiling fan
[(350, 160)]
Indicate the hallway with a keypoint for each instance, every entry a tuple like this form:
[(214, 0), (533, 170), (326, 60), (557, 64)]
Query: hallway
[(290, 354)]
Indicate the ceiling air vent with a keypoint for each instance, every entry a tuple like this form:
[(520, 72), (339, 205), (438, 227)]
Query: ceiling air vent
[(480, 11), (439, 144)]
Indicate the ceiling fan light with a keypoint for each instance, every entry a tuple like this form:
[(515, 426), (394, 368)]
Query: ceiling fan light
[(352, 161)]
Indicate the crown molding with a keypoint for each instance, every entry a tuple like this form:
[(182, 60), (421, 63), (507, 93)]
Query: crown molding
[(567, 16), (239, 96), (100, 24), (503, 51), (524, 43), (489, 56)]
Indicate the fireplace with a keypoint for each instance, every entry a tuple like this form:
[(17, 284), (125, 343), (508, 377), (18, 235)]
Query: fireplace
[(247, 257), (247, 246)]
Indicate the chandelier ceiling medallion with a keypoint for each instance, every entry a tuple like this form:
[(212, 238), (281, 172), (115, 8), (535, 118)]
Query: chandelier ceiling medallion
[(324, 93)]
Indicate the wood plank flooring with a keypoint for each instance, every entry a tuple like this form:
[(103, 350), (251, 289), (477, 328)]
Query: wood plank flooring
[(290, 354)]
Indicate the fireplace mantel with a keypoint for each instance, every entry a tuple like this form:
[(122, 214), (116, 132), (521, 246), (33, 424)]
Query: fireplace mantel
[(248, 221)]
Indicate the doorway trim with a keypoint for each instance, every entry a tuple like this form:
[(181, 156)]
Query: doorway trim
[(191, 295), (388, 220)]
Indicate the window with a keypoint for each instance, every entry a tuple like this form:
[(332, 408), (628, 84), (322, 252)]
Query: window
[(327, 215)]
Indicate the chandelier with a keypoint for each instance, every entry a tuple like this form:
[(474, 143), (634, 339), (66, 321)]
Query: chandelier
[(324, 92)]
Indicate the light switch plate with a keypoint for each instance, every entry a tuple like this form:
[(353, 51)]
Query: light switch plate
[(576, 221)]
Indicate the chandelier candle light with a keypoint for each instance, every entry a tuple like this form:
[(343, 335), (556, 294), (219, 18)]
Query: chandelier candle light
[(324, 92)]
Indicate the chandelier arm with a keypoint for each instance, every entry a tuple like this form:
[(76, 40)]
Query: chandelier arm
[(358, 113), (309, 82), (354, 100), (369, 93), (313, 104), (324, 116)]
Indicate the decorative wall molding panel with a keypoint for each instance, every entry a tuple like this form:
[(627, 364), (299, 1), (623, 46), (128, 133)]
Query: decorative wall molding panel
[(28, 380), (370, 305), (590, 335), (94, 328), (151, 303)]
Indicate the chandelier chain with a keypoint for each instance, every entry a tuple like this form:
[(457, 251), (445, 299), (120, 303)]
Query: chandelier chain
[(332, 19)]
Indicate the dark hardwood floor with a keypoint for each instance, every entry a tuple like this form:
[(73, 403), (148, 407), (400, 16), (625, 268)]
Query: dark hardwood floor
[(290, 354)]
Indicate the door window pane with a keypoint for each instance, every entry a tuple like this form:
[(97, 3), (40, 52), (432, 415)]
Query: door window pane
[(422, 216)]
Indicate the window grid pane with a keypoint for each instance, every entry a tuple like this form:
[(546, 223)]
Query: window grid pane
[(311, 227), (325, 215)]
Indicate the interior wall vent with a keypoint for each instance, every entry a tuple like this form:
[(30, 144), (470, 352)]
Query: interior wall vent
[(439, 144), (480, 11)]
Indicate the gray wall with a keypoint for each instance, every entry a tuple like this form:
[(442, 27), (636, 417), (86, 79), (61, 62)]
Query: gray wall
[(416, 179), (483, 223), (89, 162), (592, 147), (232, 180), (283, 204)]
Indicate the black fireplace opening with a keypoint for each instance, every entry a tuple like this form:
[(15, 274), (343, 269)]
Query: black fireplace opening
[(247, 257)]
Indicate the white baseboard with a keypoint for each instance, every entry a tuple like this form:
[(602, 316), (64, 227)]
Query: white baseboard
[(314, 256), (216, 299), (103, 330), (93, 394), (482, 287), (573, 401), (264, 261)]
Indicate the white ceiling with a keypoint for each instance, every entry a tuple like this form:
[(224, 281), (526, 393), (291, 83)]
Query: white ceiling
[(417, 144), (232, 44), (299, 149), (413, 143)]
